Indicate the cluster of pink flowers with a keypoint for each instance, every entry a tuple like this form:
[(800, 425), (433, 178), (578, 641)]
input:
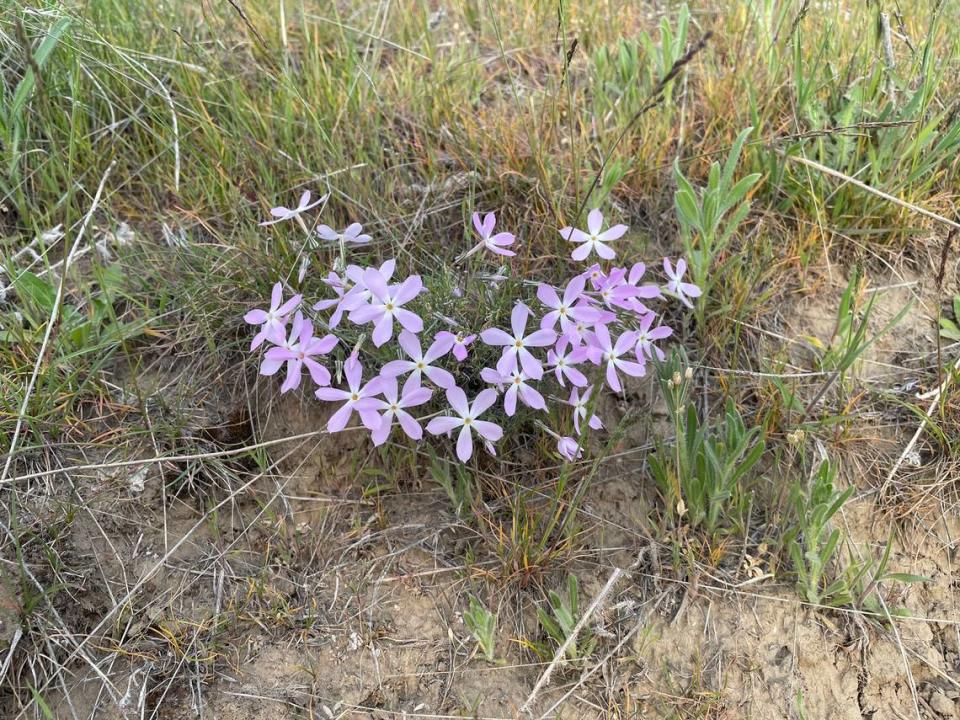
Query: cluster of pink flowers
[(599, 319)]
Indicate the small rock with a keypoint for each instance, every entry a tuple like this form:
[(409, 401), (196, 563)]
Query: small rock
[(943, 706)]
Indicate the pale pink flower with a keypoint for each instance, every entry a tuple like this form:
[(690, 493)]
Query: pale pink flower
[(683, 291), (341, 287), (386, 305), (516, 384), (594, 240), (569, 448), (281, 213), (515, 348), (353, 233), (573, 307), (467, 421), (269, 366), (647, 336), (272, 322), (604, 351), (359, 294), (301, 352), (494, 243), (359, 398), (563, 362), (420, 362), (595, 275), (396, 407), (460, 342), (579, 404)]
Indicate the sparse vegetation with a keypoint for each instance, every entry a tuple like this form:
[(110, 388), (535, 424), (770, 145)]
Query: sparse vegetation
[(179, 538)]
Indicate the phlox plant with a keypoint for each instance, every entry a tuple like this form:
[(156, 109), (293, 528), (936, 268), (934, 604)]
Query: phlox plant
[(403, 368)]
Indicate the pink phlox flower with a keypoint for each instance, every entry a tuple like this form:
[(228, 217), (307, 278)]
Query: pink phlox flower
[(579, 404), (617, 292), (647, 336), (563, 362), (595, 275), (272, 322), (582, 334), (341, 288), (394, 407), (300, 353), (359, 294), (494, 243), (386, 305), (270, 365), (420, 363), (515, 348), (569, 449), (281, 213), (573, 307), (467, 420), (647, 291), (683, 291), (460, 342), (359, 398), (353, 233), (604, 351), (594, 239), (516, 384)]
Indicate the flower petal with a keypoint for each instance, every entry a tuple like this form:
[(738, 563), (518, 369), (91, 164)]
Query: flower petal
[(397, 367), (581, 252), (532, 398), (410, 344), (510, 400), (483, 401), (518, 319), (614, 233), (376, 284), (410, 426), (383, 330), (458, 400), (409, 320), (465, 444), (255, 317), (440, 377), (338, 421), (488, 430), (444, 424), (408, 290), (496, 336), (594, 221)]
